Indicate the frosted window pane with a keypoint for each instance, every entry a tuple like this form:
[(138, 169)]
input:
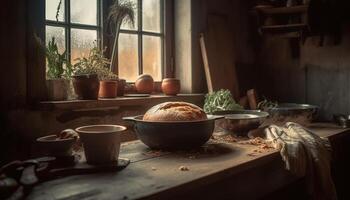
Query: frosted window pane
[(84, 11), (51, 9), (152, 57), (81, 42), (128, 26), (59, 34), (151, 15), (128, 57)]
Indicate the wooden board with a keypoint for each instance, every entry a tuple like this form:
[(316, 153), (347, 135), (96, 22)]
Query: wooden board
[(218, 55)]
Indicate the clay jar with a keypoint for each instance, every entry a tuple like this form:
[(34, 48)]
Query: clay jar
[(121, 87), (108, 89), (171, 86), (86, 86), (144, 84)]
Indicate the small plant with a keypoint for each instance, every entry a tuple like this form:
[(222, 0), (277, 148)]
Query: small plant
[(58, 65), (221, 100), (121, 11), (94, 63)]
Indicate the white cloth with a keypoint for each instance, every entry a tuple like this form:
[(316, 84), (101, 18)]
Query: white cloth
[(305, 154)]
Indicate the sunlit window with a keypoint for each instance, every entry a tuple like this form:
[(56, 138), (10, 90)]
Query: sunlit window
[(140, 48), (75, 24)]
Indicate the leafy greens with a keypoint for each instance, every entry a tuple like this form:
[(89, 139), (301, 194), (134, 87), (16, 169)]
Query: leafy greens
[(221, 100)]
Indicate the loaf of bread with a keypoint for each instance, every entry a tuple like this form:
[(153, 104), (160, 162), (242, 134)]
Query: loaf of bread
[(175, 111)]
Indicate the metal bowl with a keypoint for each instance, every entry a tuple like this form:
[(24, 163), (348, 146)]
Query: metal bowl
[(240, 122), (173, 135), (303, 114)]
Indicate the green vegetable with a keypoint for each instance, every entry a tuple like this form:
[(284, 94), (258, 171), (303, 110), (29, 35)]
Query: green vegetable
[(267, 104), (221, 100)]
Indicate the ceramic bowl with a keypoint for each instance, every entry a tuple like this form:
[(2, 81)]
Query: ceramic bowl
[(56, 147)]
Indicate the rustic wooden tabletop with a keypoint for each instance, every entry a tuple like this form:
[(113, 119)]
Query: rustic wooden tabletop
[(157, 174)]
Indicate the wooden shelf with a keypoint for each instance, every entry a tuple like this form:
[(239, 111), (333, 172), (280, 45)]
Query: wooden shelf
[(283, 28), (118, 102), (283, 10)]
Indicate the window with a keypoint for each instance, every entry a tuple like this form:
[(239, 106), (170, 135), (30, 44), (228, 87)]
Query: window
[(140, 48), (77, 26)]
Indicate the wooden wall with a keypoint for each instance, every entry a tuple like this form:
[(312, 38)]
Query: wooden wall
[(320, 76)]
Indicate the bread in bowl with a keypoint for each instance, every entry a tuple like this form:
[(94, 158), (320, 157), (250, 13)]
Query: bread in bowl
[(175, 111)]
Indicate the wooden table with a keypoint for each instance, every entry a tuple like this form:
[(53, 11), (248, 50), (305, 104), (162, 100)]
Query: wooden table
[(221, 170)]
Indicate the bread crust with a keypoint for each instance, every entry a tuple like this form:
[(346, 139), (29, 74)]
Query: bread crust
[(175, 111)]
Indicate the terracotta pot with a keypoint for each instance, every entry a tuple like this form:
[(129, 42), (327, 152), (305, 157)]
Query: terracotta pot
[(171, 86), (57, 90), (86, 86), (108, 89), (101, 142), (121, 87), (144, 84)]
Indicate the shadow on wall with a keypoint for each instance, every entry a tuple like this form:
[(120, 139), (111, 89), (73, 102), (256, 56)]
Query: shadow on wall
[(329, 89)]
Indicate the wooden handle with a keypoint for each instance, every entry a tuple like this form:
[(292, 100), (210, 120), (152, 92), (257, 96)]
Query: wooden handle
[(252, 99)]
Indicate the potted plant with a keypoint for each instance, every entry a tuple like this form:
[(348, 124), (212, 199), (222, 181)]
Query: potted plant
[(108, 82), (121, 11), (59, 70), (92, 77)]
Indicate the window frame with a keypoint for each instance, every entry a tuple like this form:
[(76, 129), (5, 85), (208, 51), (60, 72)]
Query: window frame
[(36, 60), (139, 32), (68, 25)]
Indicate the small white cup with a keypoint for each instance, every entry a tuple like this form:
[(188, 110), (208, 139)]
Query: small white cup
[(101, 142)]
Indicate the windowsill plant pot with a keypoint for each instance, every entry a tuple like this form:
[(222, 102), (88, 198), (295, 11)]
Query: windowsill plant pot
[(86, 86), (59, 71), (89, 71), (108, 89), (57, 89)]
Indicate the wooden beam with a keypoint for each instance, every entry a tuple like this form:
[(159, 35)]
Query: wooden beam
[(36, 80)]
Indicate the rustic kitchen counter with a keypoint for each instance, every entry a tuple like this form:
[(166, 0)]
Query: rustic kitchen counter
[(217, 171)]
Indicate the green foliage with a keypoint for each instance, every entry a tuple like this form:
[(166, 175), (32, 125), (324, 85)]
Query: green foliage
[(221, 100), (58, 65), (267, 104), (94, 63)]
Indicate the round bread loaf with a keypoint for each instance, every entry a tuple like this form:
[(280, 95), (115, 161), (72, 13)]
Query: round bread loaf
[(175, 111)]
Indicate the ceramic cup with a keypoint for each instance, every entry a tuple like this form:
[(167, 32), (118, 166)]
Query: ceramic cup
[(101, 142)]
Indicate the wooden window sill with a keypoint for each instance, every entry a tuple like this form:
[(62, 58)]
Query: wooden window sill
[(117, 102)]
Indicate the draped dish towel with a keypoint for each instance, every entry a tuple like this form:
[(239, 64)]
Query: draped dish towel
[(305, 154)]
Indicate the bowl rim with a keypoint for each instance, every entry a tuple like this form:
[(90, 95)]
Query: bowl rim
[(256, 113), (293, 106), (45, 139), (138, 118), (122, 128)]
